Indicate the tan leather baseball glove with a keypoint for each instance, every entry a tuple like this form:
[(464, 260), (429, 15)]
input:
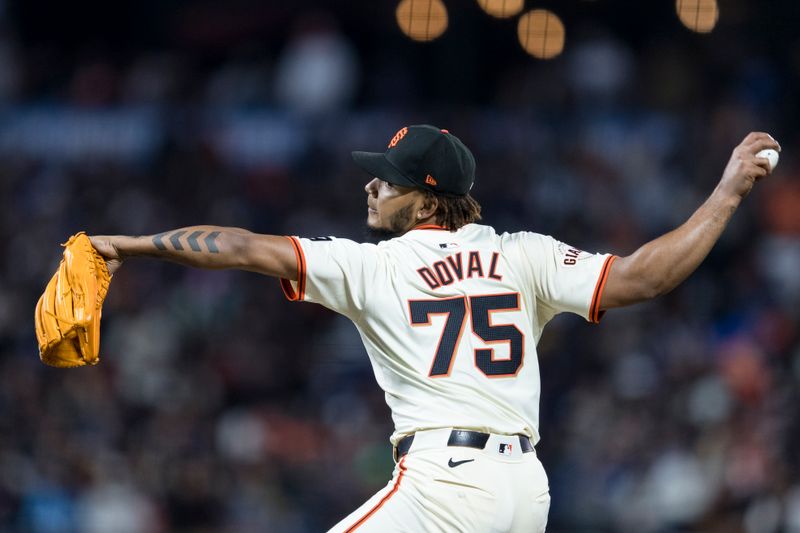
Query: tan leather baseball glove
[(68, 313)]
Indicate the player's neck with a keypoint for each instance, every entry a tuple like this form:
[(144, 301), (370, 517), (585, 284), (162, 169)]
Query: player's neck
[(427, 223)]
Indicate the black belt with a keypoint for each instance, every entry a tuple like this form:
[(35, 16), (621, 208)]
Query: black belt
[(461, 437)]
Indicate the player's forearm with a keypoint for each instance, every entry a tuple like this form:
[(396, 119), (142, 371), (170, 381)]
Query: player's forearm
[(213, 247), (667, 261), (197, 246), (663, 263)]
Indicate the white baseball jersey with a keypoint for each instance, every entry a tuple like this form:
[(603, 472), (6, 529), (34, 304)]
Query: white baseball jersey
[(451, 320)]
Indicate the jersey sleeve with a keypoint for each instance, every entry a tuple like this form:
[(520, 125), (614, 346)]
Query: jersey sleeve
[(565, 278), (332, 272)]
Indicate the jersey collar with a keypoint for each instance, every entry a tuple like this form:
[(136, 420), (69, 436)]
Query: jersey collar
[(429, 226)]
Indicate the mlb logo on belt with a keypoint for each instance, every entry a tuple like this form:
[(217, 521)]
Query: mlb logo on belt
[(505, 449)]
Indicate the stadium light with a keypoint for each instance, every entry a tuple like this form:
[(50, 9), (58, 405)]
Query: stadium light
[(698, 15), (502, 8), (422, 20), (541, 33)]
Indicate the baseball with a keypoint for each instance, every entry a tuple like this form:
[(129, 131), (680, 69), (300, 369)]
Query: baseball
[(771, 155)]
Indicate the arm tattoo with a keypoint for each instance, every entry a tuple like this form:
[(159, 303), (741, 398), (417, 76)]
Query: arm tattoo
[(192, 241), (210, 242), (158, 242), (173, 239)]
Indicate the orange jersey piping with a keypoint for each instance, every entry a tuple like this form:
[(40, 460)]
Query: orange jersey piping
[(594, 309), (286, 285), (430, 226)]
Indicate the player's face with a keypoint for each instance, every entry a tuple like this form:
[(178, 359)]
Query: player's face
[(392, 208)]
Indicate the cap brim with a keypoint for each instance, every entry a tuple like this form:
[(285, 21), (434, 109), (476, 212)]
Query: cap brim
[(376, 164)]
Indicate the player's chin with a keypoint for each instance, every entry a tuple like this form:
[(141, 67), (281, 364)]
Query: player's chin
[(373, 220)]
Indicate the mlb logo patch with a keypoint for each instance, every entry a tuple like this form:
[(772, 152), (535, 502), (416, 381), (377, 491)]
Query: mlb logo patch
[(448, 245), (505, 449)]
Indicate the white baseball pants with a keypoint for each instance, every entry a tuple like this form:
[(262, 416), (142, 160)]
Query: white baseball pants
[(436, 488)]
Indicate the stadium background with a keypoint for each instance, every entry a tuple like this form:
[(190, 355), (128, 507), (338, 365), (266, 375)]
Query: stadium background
[(219, 407)]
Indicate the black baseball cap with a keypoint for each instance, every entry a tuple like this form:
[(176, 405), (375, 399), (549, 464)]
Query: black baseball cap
[(425, 157)]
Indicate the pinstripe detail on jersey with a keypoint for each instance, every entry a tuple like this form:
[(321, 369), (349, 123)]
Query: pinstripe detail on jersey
[(286, 285), (594, 310), (383, 500)]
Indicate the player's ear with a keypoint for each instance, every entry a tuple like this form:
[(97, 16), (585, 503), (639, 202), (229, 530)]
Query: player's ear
[(430, 203)]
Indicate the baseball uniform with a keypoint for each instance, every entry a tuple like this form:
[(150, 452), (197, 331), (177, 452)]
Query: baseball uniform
[(450, 322)]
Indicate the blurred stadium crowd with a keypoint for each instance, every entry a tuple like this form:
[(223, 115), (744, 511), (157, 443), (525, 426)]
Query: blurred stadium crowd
[(217, 406)]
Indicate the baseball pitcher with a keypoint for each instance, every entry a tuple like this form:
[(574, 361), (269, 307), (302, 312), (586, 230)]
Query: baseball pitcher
[(450, 313)]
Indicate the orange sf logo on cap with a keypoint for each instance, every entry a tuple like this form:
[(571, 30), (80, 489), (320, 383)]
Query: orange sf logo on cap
[(397, 137), (430, 180)]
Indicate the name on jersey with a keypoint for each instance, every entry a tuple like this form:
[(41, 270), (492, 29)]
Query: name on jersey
[(457, 267)]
